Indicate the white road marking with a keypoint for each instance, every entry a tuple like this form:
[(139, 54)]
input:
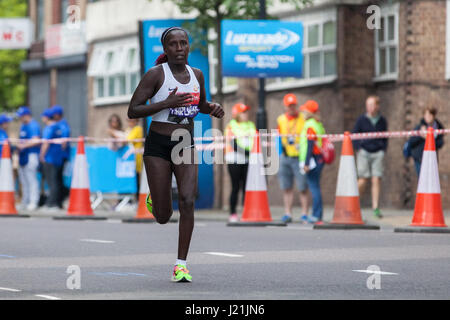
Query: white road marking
[(47, 297), (10, 289), (376, 272), (119, 274), (200, 224), (299, 228), (97, 241), (113, 221), (225, 254)]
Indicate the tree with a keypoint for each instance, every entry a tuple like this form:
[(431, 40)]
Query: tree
[(12, 79)]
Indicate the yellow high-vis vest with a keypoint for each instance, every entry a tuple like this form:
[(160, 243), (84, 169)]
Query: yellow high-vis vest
[(244, 132), (291, 126)]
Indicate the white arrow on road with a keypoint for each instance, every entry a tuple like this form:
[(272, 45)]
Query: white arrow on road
[(97, 241), (376, 272), (225, 254)]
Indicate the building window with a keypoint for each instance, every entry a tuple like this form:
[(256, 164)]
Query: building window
[(319, 51), (386, 44), (40, 20), (448, 42), (116, 71)]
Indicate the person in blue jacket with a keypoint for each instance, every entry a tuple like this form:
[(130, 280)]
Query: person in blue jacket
[(58, 113), (4, 123), (417, 143), (51, 157), (29, 148)]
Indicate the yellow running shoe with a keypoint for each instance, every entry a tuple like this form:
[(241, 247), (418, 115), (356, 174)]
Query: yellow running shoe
[(181, 274), (149, 203)]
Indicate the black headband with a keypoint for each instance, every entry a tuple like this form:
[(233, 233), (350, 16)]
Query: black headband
[(166, 32)]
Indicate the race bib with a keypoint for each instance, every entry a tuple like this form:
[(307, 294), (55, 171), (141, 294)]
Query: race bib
[(180, 114)]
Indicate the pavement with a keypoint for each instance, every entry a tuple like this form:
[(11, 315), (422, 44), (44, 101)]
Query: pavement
[(391, 217)]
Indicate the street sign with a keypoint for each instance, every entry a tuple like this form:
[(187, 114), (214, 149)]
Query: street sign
[(262, 48)]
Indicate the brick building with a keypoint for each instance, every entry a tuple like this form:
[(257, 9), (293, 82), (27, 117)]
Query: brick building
[(406, 63)]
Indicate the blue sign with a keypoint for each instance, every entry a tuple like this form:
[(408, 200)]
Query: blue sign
[(151, 48), (110, 171), (262, 48)]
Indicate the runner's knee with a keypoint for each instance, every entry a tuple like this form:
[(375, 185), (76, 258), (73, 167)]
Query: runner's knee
[(162, 216), (186, 201)]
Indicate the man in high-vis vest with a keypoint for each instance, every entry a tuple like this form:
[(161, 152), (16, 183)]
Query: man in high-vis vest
[(290, 125)]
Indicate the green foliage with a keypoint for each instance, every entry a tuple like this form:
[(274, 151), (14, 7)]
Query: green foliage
[(12, 79)]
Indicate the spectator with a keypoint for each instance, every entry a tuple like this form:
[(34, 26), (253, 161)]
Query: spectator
[(115, 131), (51, 157), (417, 143), (4, 124), (64, 128), (311, 160), (29, 148), (370, 152), (291, 123), (237, 153), (135, 132)]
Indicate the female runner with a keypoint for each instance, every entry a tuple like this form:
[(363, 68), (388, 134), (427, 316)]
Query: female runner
[(177, 94)]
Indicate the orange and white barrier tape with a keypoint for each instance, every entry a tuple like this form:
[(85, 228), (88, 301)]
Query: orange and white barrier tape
[(219, 142)]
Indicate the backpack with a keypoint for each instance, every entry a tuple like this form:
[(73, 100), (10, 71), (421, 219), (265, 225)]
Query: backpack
[(328, 153)]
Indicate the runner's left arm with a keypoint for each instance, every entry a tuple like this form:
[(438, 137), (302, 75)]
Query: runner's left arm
[(211, 108)]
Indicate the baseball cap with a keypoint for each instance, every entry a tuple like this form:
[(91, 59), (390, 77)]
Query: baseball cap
[(47, 113), (22, 111), (4, 118), (310, 106), (239, 108), (57, 109), (289, 99)]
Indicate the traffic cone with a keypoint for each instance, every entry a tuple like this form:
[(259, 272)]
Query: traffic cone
[(7, 202), (79, 199), (347, 210), (142, 214), (256, 203), (428, 213)]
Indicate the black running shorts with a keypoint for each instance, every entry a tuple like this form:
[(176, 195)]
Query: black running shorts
[(158, 145)]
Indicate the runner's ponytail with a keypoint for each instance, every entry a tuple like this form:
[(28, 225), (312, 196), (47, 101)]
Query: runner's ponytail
[(161, 59)]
